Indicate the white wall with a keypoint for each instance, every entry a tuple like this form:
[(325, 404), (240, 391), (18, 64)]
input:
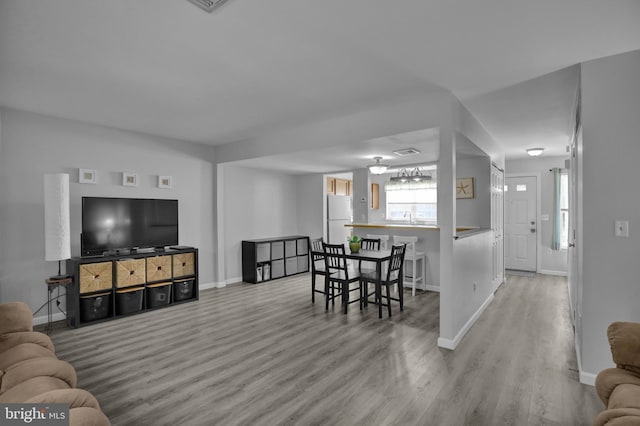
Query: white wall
[(475, 211), (551, 261), (458, 311), (361, 190), (255, 204), (476, 268), (310, 197), (611, 151), (33, 145)]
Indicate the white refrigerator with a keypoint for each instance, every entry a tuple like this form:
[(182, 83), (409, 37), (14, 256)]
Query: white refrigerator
[(339, 213)]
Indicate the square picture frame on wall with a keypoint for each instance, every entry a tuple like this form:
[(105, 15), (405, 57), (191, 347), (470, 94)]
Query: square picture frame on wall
[(87, 176), (165, 182), (129, 179), (465, 188)]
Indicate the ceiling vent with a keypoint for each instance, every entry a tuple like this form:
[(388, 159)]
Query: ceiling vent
[(208, 5), (405, 152)]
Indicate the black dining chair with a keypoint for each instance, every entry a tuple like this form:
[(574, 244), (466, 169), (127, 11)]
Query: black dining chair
[(368, 244), (318, 267), (340, 275), (392, 277)]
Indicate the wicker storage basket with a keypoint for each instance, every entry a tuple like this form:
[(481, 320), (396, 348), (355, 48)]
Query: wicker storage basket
[(158, 268), (130, 272), (183, 264), (96, 276)]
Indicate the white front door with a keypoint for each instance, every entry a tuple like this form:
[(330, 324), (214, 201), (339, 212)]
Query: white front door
[(520, 225)]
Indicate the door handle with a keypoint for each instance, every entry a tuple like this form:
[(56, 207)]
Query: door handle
[(572, 245), (533, 230)]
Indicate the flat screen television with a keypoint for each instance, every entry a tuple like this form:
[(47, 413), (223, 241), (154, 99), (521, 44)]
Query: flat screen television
[(125, 223)]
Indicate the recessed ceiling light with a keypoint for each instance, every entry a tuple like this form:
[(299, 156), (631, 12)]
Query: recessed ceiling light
[(534, 152), (208, 5), (407, 151)]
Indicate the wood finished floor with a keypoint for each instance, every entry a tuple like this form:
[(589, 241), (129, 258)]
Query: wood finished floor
[(264, 355)]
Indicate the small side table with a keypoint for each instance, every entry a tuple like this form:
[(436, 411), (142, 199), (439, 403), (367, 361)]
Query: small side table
[(52, 284)]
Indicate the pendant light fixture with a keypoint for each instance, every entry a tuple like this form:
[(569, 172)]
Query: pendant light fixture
[(378, 168)]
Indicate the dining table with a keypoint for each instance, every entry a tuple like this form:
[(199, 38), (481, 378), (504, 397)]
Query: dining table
[(375, 256)]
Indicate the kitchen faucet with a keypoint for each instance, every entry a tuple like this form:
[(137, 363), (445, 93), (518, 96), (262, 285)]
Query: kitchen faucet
[(410, 217)]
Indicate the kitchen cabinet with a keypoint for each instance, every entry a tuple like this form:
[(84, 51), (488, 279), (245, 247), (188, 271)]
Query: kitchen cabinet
[(375, 196), (337, 186)]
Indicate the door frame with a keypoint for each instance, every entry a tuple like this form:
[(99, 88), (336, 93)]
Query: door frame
[(538, 176)]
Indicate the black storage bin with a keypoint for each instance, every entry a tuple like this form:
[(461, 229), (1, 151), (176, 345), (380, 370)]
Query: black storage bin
[(158, 294), (95, 306), (129, 300), (183, 290)]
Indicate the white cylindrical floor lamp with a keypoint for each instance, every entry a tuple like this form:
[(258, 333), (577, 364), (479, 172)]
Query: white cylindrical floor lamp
[(57, 233)]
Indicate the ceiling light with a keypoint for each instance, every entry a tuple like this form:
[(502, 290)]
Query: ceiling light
[(378, 168), (208, 5), (534, 152), (407, 151), (417, 176), (402, 176)]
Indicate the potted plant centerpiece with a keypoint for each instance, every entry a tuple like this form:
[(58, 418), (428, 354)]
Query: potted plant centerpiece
[(354, 243)]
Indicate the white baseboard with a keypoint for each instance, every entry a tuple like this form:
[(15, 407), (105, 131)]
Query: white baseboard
[(446, 343), (232, 280), (550, 272), (435, 288), (453, 343), (584, 377), (58, 316), (587, 378), (206, 286)]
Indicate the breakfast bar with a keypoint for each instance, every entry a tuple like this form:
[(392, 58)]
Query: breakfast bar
[(428, 242)]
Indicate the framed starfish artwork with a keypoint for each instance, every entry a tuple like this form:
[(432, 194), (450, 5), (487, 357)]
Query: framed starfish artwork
[(464, 187)]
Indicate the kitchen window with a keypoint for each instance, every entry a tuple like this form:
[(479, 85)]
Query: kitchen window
[(412, 202)]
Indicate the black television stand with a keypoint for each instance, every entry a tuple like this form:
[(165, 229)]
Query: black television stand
[(125, 282)]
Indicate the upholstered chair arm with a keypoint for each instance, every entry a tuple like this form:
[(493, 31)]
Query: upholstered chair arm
[(618, 417), (624, 339), (10, 340), (608, 379), (74, 397), (15, 316), (36, 367), (21, 352)]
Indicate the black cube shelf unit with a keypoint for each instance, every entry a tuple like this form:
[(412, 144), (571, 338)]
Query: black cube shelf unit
[(271, 258), (112, 286)]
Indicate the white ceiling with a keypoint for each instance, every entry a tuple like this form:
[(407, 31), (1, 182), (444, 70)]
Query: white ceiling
[(165, 67)]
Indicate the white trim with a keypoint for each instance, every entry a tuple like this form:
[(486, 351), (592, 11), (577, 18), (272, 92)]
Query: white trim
[(587, 378), (432, 288), (538, 177), (584, 377), (206, 286), (233, 280), (551, 272), (58, 316), (452, 344), (220, 223)]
